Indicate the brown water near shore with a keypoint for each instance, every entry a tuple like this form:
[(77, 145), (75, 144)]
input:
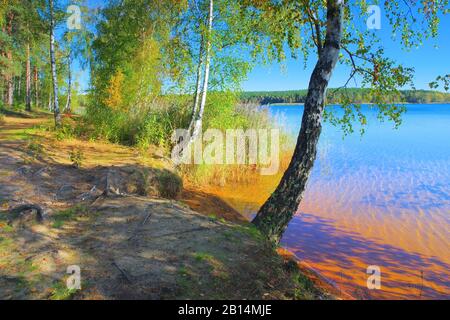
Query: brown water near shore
[(340, 241)]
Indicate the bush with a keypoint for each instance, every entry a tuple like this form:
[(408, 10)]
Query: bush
[(143, 126), (34, 150), (76, 157), (65, 131), (169, 184)]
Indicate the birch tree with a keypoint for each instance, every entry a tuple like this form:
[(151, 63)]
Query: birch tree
[(67, 108), (56, 110), (197, 117), (330, 30), (219, 30)]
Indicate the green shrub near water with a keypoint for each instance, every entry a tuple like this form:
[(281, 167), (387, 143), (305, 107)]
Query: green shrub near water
[(154, 124), (142, 126)]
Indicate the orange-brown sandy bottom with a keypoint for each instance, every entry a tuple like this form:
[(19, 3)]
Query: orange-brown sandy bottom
[(340, 245)]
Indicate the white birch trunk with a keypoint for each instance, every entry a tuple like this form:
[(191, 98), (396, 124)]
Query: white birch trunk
[(67, 109), (56, 111), (199, 118), (197, 87)]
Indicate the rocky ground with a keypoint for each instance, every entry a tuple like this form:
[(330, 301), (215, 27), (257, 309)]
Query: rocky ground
[(118, 216)]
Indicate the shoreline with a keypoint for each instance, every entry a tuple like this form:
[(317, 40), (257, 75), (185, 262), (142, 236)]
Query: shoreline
[(225, 210), (337, 104)]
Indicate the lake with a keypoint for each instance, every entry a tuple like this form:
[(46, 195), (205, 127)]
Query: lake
[(379, 199)]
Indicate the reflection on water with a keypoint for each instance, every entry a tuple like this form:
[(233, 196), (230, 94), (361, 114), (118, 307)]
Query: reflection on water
[(381, 199)]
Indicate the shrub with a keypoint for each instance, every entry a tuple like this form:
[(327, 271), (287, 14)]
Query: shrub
[(65, 131), (139, 126), (34, 149), (76, 157), (169, 184)]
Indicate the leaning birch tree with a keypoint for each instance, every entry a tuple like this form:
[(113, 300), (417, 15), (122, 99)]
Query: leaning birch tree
[(330, 29)]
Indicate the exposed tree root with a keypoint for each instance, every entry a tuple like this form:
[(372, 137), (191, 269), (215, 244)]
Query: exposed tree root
[(23, 209)]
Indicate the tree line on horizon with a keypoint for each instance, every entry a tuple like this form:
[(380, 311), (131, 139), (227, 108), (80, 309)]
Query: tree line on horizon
[(338, 96)]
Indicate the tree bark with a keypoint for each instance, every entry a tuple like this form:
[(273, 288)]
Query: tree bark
[(28, 80), (197, 87), (199, 117), (36, 87), (18, 83), (2, 65), (275, 214), (50, 105), (56, 111), (67, 109), (9, 77)]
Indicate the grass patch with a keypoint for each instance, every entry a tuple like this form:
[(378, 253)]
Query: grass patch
[(305, 289), (61, 292), (215, 266), (203, 256), (72, 213), (214, 217), (250, 230), (183, 271), (15, 134), (5, 243)]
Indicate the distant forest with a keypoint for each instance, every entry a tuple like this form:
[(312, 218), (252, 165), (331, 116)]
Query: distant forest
[(334, 96)]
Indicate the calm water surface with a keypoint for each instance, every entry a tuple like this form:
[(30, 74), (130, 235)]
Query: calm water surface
[(381, 199)]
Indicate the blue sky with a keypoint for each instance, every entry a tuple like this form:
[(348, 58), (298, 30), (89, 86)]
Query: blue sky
[(429, 61)]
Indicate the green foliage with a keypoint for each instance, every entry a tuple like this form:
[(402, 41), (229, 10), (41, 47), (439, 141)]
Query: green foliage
[(61, 292), (141, 127), (444, 80), (132, 76), (65, 131)]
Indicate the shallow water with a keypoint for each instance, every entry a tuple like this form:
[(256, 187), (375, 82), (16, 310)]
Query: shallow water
[(381, 199)]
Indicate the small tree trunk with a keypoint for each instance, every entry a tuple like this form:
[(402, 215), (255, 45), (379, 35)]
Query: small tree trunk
[(199, 117), (56, 111), (9, 77), (3, 73), (273, 217), (50, 105), (67, 109), (28, 81), (197, 88), (36, 87), (10, 87)]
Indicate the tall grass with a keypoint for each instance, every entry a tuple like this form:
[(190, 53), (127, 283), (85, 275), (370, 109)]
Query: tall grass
[(153, 124), (236, 116), (140, 126)]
